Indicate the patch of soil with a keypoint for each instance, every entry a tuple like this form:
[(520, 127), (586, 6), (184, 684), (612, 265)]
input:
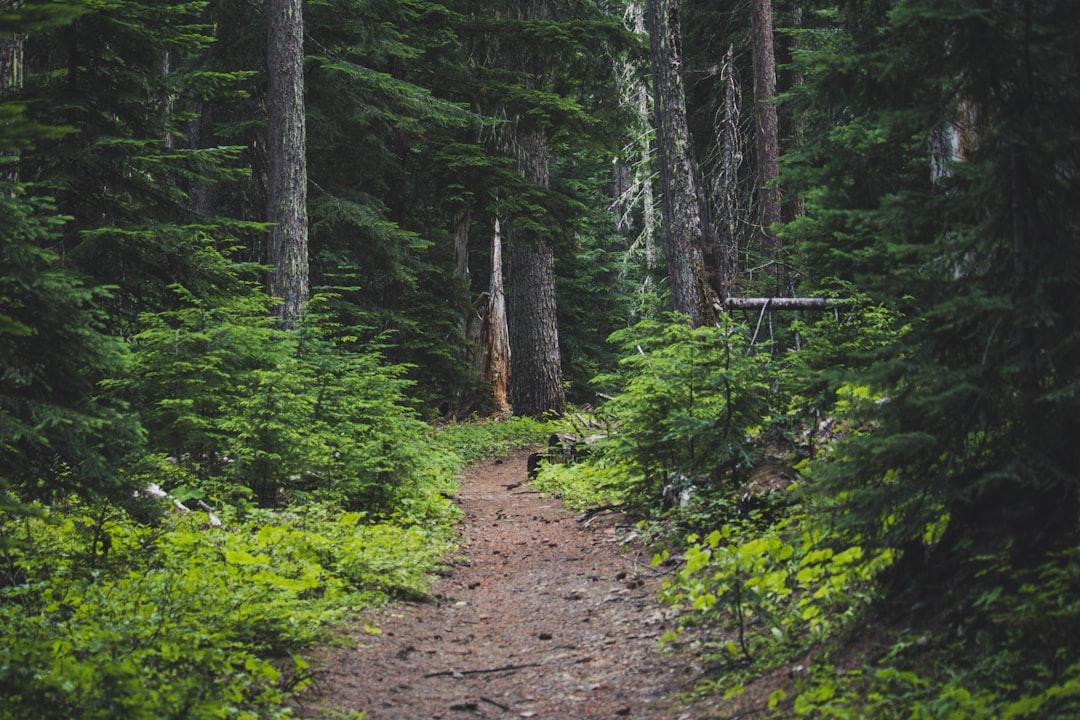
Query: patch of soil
[(549, 616)]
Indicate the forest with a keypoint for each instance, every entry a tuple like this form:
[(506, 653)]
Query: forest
[(794, 276)]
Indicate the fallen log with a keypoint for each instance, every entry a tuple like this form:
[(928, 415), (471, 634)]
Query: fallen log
[(785, 303)]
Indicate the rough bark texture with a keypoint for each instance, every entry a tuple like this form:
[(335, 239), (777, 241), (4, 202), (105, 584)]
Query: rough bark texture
[(287, 251), (768, 140), (11, 63), (789, 77), (200, 135), (633, 174), (495, 336), (729, 222), (11, 80), (536, 378), (690, 291)]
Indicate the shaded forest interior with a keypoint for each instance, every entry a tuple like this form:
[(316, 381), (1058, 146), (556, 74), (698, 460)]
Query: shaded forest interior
[(796, 278)]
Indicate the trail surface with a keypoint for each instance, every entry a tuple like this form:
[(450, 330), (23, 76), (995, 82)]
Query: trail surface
[(545, 616)]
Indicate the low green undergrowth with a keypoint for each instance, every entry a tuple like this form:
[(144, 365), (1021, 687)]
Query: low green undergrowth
[(134, 611), (589, 485), (106, 617), (472, 441)]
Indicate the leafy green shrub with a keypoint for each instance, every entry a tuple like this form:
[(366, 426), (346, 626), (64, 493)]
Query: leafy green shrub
[(685, 402), (59, 432), (181, 621), (471, 441), (587, 484), (249, 410), (775, 585)]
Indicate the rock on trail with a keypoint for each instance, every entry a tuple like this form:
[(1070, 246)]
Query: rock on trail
[(549, 617)]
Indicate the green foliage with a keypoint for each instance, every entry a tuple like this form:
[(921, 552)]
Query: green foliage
[(472, 441), (685, 403), (586, 485), (59, 431), (777, 585), (185, 621), (970, 245), (251, 410), (1008, 653)]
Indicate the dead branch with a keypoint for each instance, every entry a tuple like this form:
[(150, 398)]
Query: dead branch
[(785, 303), (462, 673)]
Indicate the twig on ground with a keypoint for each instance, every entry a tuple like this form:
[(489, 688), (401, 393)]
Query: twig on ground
[(499, 705), (504, 668), (640, 569), (596, 512)]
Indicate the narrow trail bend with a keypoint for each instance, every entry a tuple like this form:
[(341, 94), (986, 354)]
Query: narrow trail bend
[(548, 617)]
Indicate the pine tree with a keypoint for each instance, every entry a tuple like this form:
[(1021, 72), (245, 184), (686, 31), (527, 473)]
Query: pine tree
[(975, 243), (690, 290), (286, 197), (60, 431)]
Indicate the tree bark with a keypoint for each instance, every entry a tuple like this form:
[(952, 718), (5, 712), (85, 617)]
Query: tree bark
[(11, 63), (690, 291), (536, 377), (287, 244), (768, 141), (788, 78), (726, 183), (11, 81), (495, 336), (536, 384), (640, 188)]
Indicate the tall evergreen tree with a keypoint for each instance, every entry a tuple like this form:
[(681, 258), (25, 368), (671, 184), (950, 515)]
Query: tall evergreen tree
[(978, 399), (690, 290), (118, 173), (536, 365), (60, 432), (767, 134), (286, 197)]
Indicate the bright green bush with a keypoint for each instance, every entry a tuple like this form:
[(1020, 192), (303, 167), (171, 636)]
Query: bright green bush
[(185, 621), (586, 485), (471, 441), (776, 585), (685, 402), (251, 411)]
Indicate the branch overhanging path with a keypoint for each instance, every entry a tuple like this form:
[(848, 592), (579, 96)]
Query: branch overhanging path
[(543, 616)]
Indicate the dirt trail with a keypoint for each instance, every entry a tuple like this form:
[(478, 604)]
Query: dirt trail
[(549, 617)]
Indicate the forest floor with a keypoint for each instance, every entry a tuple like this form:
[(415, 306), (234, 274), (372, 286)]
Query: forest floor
[(542, 614)]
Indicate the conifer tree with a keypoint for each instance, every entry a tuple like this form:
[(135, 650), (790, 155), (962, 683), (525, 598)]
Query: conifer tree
[(286, 197), (536, 364), (690, 290), (974, 416), (60, 431)]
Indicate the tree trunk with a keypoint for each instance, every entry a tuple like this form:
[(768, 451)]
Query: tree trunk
[(287, 251), (536, 378), (638, 189), (203, 197), (11, 64), (729, 223), (11, 81), (690, 291), (768, 141), (536, 385), (495, 337), (788, 78)]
